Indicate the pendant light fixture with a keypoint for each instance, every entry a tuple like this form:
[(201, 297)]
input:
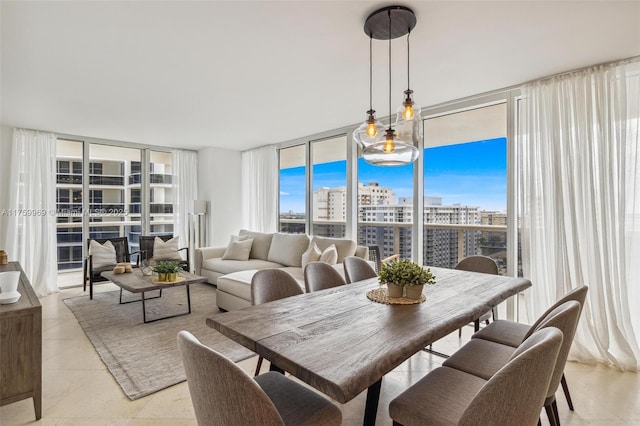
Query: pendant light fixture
[(392, 150), (408, 116), (371, 131)]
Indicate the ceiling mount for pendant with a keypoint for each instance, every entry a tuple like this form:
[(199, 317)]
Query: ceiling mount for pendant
[(403, 20)]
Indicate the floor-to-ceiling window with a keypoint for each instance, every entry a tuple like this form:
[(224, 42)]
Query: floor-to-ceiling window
[(104, 196), (69, 216), (465, 186), (385, 208), (293, 189), (329, 183)]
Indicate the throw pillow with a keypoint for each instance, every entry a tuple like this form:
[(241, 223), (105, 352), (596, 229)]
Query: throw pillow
[(287, 249), (261, 243), (238, 250), (329, 255), (311, 255), (235, 238), (166, 250), (102, 254)]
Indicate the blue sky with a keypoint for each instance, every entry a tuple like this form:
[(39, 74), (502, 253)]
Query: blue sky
[(473, 173)]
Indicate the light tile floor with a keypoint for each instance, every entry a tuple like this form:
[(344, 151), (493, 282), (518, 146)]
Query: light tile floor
[(78, 389)]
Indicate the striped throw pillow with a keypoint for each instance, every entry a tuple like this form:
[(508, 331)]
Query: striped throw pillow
[(102, 254), (166, 250)]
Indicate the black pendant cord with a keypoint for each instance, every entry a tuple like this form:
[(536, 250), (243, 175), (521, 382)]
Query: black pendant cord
[(389, 12), (408, 60), (371, 73)]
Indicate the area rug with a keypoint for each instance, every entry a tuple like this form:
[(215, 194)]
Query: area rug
[(144, 358)]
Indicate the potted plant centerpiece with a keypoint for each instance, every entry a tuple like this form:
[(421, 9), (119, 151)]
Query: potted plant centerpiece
[(167, 270), (404, 273)]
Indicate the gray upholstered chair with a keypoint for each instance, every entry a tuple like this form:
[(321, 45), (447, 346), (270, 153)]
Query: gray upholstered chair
[(513, 333), (357, 269), (485, 265), (483, 358), (319, 276), (512, 396), (374, 256), (272, 284), (223, 394)]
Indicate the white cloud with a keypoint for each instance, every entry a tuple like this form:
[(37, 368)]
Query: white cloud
[(284, 193)]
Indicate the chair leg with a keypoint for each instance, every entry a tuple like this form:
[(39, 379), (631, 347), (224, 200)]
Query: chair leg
[(476, 325), (565, 389), (459, 334), (258, 366), (554, 405), (550, 415)]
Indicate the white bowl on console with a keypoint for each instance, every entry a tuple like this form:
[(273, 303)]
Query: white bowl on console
[(9, 287)]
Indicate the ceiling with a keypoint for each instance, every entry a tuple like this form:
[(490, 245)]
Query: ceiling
[(242, 74)]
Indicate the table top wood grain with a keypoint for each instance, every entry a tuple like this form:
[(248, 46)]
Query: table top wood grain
[(135, 282), (340, 342)]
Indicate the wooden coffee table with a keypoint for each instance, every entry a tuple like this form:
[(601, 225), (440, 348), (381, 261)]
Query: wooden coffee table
[(135, 282)]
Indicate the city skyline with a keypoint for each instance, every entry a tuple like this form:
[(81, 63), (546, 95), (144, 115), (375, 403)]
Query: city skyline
[(472, 173)]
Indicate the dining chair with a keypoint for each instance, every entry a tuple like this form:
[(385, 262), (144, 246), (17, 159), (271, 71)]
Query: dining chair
[(485, 265), (147, 242), (514, 395), (513, 333), (272, 284), (91, 273), (224, 394), (320, 275), (483, 358), (357, 269), (374, 256)]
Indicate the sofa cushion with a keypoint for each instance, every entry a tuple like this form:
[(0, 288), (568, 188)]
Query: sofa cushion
[(238, 283), (344, 247), (287, 249), (311, 255), (238, 250), (261, 244), (229, 266), (329, 255)]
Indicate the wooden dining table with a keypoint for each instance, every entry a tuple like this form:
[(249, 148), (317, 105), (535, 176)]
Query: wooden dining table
[(342, 343)]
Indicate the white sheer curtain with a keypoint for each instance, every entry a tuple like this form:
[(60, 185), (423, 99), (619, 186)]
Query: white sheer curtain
[(31, 233), (185, 190), (260, 189), (580, 203)]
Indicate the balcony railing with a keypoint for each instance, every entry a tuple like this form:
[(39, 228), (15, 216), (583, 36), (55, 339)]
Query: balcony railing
[(106, 180), (401, 231), (156, 178)]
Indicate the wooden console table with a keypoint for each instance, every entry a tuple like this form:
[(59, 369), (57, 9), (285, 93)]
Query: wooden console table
[(21, 346)]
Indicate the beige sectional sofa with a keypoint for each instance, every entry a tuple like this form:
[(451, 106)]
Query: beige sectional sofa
[(268, 250)]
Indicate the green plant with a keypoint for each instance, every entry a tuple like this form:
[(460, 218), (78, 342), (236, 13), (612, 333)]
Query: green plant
[(405, 273), (167, 267)]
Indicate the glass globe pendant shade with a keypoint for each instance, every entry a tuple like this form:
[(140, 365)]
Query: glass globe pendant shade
[(409, 130), (390, 151), (369, 132)]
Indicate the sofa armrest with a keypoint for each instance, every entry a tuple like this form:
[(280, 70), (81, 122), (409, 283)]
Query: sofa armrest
[(205, 253), (362, 252)]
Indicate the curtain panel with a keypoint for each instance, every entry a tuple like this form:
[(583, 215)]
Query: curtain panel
[(185, 189), (579, 204), (31, 232), (260, 189)]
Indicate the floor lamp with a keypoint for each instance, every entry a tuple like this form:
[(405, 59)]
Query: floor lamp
[(199, 213)]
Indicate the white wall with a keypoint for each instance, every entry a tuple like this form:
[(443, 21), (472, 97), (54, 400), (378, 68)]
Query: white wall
[(220, 183), (6, 134)]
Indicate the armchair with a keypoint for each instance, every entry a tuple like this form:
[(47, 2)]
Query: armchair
[(146, 249), (91, 273)]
